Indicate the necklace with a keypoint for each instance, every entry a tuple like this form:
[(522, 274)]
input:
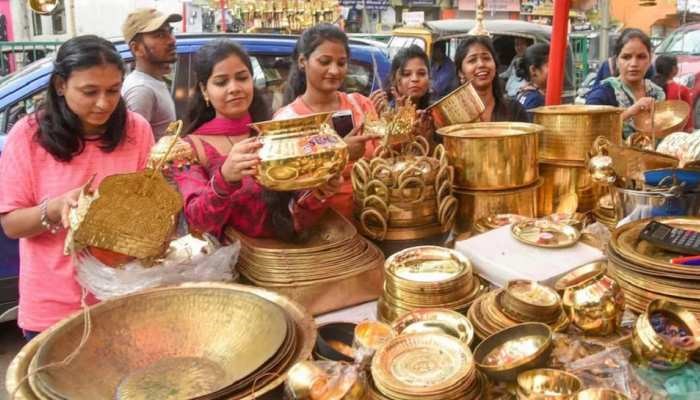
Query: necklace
[(313, 109)]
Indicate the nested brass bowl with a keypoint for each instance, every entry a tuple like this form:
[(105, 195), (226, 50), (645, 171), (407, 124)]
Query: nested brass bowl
[(593, 301), (600, 394), (570, 130), (436, 320), (548, 384), (428, 269), (299, 153), (460, 106), (530, 301), (492, 155), (659, 351), (505, 354)]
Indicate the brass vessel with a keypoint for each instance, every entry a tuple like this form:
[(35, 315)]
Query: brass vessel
[(548, 384), (436, 320), (567, 188), (492, 155), (600, 394), (299, 153), (570, 130), (473, 205), (460, 106), (669, 116), (664, 352), (593, 301)]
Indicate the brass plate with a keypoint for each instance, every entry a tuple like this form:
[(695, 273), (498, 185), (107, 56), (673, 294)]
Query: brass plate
[(436, 321), (143, 340), (422, 363), (547, 234), (533, 293), (427, 265)]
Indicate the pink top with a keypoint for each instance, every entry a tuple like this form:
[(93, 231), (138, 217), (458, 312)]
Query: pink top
[(29, 174)]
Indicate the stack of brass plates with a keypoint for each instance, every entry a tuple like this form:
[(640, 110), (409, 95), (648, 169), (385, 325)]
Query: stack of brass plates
[(333, 258), (489, 314), (205, 341), (425, 366), (604, 212), (645, 272), (427, 277)]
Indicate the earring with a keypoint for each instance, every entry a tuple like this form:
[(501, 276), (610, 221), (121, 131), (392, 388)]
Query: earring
[(206, 100)]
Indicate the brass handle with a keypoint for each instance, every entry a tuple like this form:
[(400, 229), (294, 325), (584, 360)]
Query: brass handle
[(412, 180), (359, 176), (376, 202), (375, 234), (443, 175), (447, 211), (378, 188), (410, 172), (382, 152), (440, 154), (424, 144), (377, 161), (443, 191), (383, 173)]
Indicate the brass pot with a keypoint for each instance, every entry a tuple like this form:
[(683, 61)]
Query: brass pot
[(492, 155), (460, 106), (567, 188), (593, 301), (474, 205), (658, 351), (299, 153), (570, 130)]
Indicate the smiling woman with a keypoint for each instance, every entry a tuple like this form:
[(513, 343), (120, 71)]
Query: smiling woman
[(83, 133)]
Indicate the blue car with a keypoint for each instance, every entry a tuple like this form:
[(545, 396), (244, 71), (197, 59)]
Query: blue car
[(23, 91)]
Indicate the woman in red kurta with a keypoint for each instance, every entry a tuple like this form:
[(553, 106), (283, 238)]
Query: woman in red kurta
[(219, 191), (320, 66)]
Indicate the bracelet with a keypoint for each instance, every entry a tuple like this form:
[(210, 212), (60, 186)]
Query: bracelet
[(44, 218)]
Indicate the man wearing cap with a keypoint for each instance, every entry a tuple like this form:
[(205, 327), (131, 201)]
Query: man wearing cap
[(150, 38)]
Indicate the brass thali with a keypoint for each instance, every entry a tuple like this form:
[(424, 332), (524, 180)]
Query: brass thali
[(545, 233)]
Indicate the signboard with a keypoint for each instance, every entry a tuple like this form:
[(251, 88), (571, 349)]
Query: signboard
[(379, 5), (491, 5), (413, 18), (693, 6)]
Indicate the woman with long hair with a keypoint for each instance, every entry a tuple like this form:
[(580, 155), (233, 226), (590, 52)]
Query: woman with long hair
[(629, 90), (82, 133), (409, 79), (220, 191), (533, 69), (320, 65), (476, 63)]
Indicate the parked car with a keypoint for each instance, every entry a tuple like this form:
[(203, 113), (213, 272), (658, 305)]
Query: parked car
[(684, 43), (22, 92), (503, 32)]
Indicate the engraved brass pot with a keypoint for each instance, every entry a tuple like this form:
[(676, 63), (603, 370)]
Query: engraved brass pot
[(460, 106), (593, 301), (299, 153), (492, 155), (474, 205), (570, 130), (567, 188)]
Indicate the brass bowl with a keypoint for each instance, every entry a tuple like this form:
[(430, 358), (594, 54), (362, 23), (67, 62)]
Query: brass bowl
[(570, 130), (492, 155), (299, 153), (436, 321), (372, 335), (593, 301), (476, 204), (600, 394), (132, 333), (548, 384), (505, 354), (661, 352), (427, 268), (306, 378), (669, 116), (530, 301), (460, 106)]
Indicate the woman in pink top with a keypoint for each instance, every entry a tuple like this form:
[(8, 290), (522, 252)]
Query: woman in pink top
[(83, 131), (321, 64)]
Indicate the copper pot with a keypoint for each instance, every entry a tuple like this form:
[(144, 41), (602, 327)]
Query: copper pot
[(570, 130), (492, 155), (477, 204), (567, 188)]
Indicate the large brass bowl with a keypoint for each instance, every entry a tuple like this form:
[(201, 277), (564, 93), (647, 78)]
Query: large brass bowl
[(221, 331), (669, 116), (492, 155), (460, 106), (299, 153), (570, 130)]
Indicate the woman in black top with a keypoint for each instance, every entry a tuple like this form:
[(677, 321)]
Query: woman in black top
[(476, 62)]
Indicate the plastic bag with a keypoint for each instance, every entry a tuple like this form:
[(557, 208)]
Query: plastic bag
[(182, 264), (325, 380)]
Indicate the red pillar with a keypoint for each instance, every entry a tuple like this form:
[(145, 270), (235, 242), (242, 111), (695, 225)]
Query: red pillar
[(222, 3), (557, 53), (184, 16)]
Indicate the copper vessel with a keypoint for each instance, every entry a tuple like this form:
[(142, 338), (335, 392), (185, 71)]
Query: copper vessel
[(460, 106), (570, 130), (567, 188), (474, 205), (492, 155)]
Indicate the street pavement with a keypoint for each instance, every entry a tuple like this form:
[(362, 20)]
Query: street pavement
[(11, 341)]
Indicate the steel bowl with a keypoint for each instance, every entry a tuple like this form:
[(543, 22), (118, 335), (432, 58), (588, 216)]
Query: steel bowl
[(638, 204), (492, 155), (460, 106)]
